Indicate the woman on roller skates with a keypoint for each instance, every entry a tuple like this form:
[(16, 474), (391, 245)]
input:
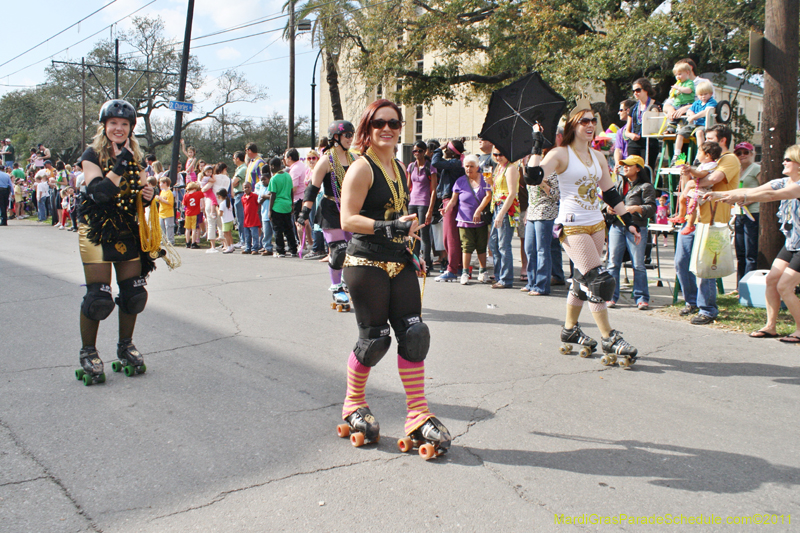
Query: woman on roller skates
[(109, 235), (580, 222), (381, 273), (329, 174)]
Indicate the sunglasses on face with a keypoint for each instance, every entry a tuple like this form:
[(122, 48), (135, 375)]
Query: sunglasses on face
[(313, 158), (787, 160), (622, 110), (636, 91), (379, 123), (587, 121), (740, 152), (498, 154), (416, 151), (348, 135)]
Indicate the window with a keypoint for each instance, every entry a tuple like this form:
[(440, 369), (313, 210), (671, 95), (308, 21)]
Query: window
[(418, 126), (758, 122)]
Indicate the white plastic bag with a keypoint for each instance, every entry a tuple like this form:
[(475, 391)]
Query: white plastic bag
[(712, 251)]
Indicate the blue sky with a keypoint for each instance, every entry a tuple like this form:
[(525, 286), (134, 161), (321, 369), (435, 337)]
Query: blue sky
[(48, 17)]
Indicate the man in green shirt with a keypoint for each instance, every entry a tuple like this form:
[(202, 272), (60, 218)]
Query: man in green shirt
[(281, 187), (9, 154), (239, 177)]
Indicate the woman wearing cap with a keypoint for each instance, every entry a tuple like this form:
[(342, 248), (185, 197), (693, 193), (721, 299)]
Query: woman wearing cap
[(109, 235), (329, 174), (381, 274), (640, 202), (784, 275), (581, 171), (747, 229)]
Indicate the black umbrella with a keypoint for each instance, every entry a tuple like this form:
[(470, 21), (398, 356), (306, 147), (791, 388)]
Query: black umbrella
[(514, 109)]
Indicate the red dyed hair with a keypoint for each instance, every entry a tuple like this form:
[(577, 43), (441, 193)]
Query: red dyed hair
[(363, 130)]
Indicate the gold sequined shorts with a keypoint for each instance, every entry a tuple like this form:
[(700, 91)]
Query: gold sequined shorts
[(581, 230), (390, 267), (93, 253)]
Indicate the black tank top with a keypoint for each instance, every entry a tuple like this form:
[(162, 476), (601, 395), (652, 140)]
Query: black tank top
[(379, 205), (330, 177)]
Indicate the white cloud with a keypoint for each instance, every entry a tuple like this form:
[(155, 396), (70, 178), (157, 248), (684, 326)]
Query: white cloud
[(228, 53)]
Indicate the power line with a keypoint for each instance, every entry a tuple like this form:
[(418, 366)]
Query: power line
[(82, 40), (57, 34)]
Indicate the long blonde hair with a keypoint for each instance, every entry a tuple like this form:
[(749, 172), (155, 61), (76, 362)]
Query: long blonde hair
[(102, 146)]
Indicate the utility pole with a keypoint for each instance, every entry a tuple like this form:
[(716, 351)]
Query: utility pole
[(116, 69), (223, 130), (176, 137), (83, 103), (780, 111), (313, 101), (290, 142)]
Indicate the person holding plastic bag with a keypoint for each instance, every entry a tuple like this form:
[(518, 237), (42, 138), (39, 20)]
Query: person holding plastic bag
[(784, 275), (701, 297)]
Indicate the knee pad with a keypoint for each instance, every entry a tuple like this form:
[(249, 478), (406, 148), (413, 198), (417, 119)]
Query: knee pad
[(338, 251), (132, 295), (372, 345), (577, 291), (413, 338), (600, 285), (98, 303)]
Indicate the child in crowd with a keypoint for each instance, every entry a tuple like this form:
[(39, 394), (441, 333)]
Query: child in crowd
[(65, 207), (192, 204), (166, 209), (281, 187), (252, 219), (681, 94), (691, 194), (696, 117), (207, 186), (226, 216), (662, 216), (19, 210), (191, 162)]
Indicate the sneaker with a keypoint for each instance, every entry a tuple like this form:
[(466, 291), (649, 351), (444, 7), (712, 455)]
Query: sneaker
[(702, 319), (643, 306), (313, 255), (483, 277), (247, 252), (289, 254), (278, 255), (611, 304), (61, 226), (689, 310), (465, 279), (195, 246), (228, 250), (212, 251), (238, 246), (447, 276), (189, 245)]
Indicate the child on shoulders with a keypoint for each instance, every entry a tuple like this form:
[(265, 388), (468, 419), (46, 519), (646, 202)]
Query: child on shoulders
[(695, 119)]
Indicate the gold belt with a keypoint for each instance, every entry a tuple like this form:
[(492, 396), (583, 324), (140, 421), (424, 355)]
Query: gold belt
[(581, 230), (390, 267)]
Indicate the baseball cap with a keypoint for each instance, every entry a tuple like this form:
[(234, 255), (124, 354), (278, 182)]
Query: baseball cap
[(633, 160), (744, 146)]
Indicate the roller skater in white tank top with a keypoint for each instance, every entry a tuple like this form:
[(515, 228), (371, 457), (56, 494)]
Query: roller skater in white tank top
[(581, 170)]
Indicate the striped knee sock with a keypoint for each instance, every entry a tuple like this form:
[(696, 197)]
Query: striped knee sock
[(413, 377), (357, 375)]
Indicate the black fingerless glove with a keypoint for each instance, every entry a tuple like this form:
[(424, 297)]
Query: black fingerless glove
[(392, 228), (304, 215), (627, 219), (538, 141), (121, 165)]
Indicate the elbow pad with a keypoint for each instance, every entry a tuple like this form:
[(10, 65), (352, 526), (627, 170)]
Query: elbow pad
[(311, 193), (534, 175), (612, 197), (102, 190)]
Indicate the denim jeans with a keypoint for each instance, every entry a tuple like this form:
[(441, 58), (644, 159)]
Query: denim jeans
[(425, 233), (500, 246), (266, 235), (746, 245), (238, 209), (250, 238), (619, 239), (556, 261), (538, 240), (42, 207), (706, 297)]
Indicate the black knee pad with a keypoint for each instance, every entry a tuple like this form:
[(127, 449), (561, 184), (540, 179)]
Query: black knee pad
[(338, 250), (98, 303), (600, 284), (372, 345), (132, 295), (413, 338), (577, 291)]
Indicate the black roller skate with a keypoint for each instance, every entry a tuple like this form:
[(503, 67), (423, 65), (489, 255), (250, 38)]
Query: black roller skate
[(361, 427), (576, 335), (91, 370), (432, 439), (617, 350), (130, 360)]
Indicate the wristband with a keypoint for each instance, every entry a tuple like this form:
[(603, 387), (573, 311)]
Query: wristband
[(303, 216), (392, 228), (538, 140)]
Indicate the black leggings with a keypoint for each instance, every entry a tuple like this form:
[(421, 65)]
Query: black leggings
[(378, 299)]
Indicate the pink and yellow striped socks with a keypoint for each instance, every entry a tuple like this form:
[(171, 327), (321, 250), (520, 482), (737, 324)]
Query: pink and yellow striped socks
[(357, 375), (413, 377)]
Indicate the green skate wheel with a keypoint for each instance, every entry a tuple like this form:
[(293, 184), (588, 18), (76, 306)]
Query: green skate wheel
[(87, 379), (116, 366), (142, 369), (130, 371), (79, 374), (101, 378)]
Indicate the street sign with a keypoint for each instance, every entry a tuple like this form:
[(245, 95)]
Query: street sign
[(183, 107)]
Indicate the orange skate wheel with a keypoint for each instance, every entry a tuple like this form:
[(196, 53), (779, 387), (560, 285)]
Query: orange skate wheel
[(357, 439), (343, 430), (405, 444), (427, 451), (333, 305)]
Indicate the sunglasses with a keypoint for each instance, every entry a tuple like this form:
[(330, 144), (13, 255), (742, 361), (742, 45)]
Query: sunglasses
[(741, 152), (787, 160), (622, 110), (416, 151), (348, 135), (498, 154), (379, 123), (587, 121), (312, 158), (636, 91)]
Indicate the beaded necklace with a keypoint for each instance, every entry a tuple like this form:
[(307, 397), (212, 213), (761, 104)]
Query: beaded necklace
[(398, 193), (338, 173)]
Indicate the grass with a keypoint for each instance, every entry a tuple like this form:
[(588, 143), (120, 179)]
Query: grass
[(735, 317)]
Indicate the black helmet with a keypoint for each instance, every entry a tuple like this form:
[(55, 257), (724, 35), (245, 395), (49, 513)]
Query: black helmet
[(340, 126), (119, 109)]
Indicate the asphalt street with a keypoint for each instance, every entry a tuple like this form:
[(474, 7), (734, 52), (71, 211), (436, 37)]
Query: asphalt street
[(232, 428)]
